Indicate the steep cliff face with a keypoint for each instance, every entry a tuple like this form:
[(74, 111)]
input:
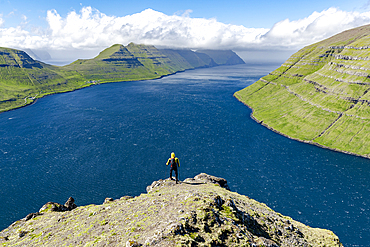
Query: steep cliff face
[(320, 95), (23, 79), (225, 57), (119, 63), (15, 58), (200, 211)]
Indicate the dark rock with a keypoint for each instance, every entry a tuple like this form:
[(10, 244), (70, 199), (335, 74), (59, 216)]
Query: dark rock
[(57, 207), (70, 204), (177, 229), (22, 234), (108, 200), (52, 206), (31, 216), (126, 197), (218, 200), (230, 203), (6, 238), (132, 243)]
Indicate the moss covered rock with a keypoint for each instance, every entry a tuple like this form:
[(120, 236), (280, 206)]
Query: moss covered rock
[(196, 212)]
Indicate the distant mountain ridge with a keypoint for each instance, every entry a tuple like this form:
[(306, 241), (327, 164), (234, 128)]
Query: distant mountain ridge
[(320, 95), (23, 79)]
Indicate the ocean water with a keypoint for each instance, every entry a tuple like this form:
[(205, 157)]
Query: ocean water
[(113, 140)]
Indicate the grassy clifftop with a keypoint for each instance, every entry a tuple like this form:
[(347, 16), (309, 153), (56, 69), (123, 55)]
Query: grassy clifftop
[(22, 79), (197, 212), (320, 95)]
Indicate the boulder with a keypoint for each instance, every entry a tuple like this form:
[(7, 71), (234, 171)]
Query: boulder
[(212, 179), (108, 200), (70, 204), (31, 216), (132, 243), (57, 207), (154, 185)]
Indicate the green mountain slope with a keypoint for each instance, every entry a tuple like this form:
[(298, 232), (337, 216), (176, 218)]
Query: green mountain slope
[(22, 79), (115, 63), (200, 211), (320, 95), (226, 57), (192, 59)]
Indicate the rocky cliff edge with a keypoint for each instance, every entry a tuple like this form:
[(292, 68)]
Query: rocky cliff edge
[(200, 211)]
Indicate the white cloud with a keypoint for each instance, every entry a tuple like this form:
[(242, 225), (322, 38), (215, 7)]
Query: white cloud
[(313, 28), (90, 29)]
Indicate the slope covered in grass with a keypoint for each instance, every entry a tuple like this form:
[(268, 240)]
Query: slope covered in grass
[(320, 95), (22, 79)]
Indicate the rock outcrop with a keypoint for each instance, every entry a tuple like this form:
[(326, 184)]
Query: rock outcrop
[(200, 211), (57, 207)]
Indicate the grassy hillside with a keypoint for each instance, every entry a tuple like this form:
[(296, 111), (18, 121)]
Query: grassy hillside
[(200, 211), (22, 79), (116, 63), (320, 95), (223, 57)]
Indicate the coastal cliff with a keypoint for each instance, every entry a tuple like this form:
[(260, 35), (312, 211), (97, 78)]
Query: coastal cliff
[(23, 79), (320, 95), (200, 211)]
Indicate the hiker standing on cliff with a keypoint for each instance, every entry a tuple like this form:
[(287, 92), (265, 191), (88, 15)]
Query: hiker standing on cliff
[(175, 163)]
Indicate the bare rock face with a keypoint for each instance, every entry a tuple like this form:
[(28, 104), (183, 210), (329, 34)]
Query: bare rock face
[(199, 211), (155, 184), (70, 204), (31, 216), (200, 178), (212, 179)]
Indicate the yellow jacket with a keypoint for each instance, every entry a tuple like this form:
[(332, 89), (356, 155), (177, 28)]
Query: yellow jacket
[(177, 161)]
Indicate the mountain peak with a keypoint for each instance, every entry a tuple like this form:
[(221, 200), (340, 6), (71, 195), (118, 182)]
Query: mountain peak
[(116, 51), (16, 58), (116, 63)]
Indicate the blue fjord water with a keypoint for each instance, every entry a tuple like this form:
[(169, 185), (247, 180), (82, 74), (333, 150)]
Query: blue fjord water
[(113, 139)]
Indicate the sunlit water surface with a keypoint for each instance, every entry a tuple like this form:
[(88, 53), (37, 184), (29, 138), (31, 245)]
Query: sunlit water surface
[(114, 139)]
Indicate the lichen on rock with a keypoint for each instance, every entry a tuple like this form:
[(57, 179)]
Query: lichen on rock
[(57, 207), (192, 213)]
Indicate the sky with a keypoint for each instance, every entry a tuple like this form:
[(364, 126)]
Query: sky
[(256, 30)]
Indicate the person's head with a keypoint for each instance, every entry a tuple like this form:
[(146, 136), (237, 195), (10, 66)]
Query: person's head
[(172, 155)]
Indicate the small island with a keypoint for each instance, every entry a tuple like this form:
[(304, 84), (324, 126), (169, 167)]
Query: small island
[(200, 211)]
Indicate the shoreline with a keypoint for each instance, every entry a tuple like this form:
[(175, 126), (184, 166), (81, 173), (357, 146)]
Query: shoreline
[(95, 84), (296, 139)]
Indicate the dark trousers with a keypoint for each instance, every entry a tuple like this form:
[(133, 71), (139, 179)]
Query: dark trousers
[(174, 169)]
